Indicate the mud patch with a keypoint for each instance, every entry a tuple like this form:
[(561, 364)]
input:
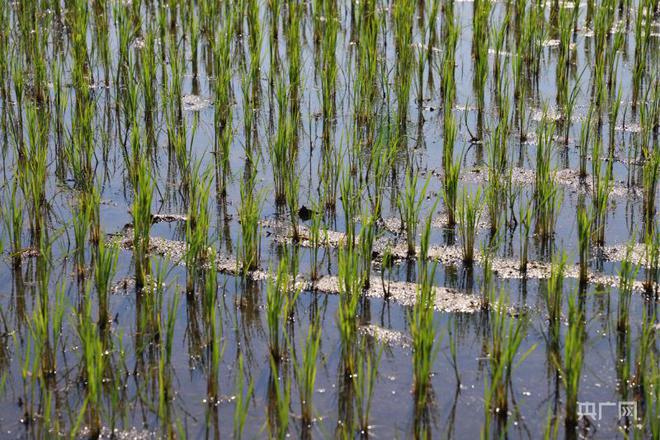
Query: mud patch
[(567, 178), (386, 336), (447, 300)]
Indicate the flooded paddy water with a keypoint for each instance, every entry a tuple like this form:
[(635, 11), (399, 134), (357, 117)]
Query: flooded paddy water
[(250, 219)]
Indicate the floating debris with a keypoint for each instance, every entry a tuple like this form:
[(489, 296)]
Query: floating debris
[(194, 103)]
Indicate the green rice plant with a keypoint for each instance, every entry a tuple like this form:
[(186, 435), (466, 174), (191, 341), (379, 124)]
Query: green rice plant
[(292, 190), (525, 215), (642, 33), (499, 38), (329, 174), (105, 263), (452, 168), (380, 163), (366, 92), (409, 203), (627, 277), (366, 239), (602, 185), (141, 212), (469, 213), (281, 294), (168, 331), (329, 61), (305, 372), (12, 215), (33, 168), (282, 153), (249, 214), (652, 257), (565, 19), (350, 204), (480, 44), (547, 196), (243, 397), (46, 329), (148, 73), (650, 174), (350, 288), (646, 371), (315, 234), (506, 336), (210, 294), (584, 241), (93, 364), (197, 224), (555, 297), (214, 332), (569, 107), (448, 84), (365, 382), (520, 92), (652, 396), (403, 17), (282, 394), (423, 328), (194, 27), (81, 218), (494, 197), (222, 104), (487, 252), (571, 371), (165, 386), (585, 138)]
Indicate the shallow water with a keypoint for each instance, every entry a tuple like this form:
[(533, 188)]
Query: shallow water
[(131, 399)]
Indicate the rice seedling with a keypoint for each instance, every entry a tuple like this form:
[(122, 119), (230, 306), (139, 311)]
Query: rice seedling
[(584, 241), (350, 288), (525, 216), (403, 37), (222, 103), (282, 397), (452, 169), (627, 276), (410, 204), (650, 173), (652, 256), (602, 184), (93, 364), (423, 328), (506, 336), (642, 32), (555, 298), (365, 382), (281, 294), (571, 371), (469, 213), (306, 372), (120, 118), (105, 263), (12, 215), (197, 224), (547, 196), (141, 212), (243, 397), (249, 214)]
